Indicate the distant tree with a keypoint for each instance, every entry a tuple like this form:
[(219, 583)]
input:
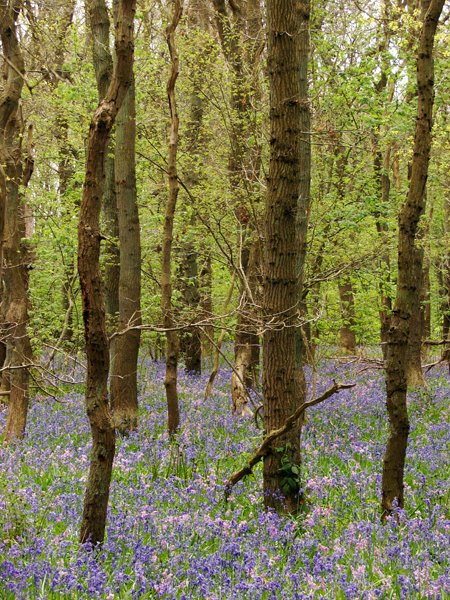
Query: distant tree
[(407, 285), (89, 238), (240, 33), (286, 215)]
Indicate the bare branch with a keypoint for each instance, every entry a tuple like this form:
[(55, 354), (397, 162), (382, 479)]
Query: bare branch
[(264, 448)]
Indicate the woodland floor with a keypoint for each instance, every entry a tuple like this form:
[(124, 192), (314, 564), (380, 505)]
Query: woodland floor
[(171, 535)]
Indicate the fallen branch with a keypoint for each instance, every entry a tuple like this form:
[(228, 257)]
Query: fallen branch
[(264, 448)]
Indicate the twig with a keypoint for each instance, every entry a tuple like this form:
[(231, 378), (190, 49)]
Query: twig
[(264, 448)]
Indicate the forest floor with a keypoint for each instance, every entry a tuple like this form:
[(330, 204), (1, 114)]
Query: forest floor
[(170, 533)]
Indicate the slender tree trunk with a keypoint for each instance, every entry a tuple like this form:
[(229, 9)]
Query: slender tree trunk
[(190, 339), (189, 278), (206, 304), (172, 341), (124, 400), (410, 213), (239, 34), (103, 66), (246, 344), (347, 337), (89, 237), (15, 256), (414, 373), (381, 166), (286, 208), (445, 277)]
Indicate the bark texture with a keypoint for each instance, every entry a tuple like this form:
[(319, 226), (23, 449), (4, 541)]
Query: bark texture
[(103, 65), (410, 213), (89, 237), (347, 337), (16, 166), (240, 35), (124, 400), (172, 341), (286, 219)]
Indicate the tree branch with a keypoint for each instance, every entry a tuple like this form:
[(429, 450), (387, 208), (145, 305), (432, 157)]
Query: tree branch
[(264, 448)]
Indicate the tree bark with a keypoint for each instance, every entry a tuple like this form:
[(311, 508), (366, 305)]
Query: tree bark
[(347, 337), (124, 401), (414, 373), (15, 255), (240, 35), (89, 237), (190, 339), (103, 65), (285, 249), (381, 165), (172, 341), (188, 256), (410, 213)]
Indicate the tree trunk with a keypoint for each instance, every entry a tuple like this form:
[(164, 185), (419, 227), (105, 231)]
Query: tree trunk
[(347, 337), (103, 66), (124, 402), (172, 341), (410, 213), (240, 34), (414, 373), (286, 208), (15, 255), (381, 166), (246, 343), (206, 304), (89, 237), (189, 279), (445, 277), (190, 339)]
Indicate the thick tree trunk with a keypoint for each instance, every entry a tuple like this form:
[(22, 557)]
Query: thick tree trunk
[(286, 208), (347, 336), (124, 402), (89, 237), (172, 341), (15, 256), (410, 213)]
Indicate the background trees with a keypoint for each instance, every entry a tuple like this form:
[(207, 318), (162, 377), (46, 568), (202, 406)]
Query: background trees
[(328, 237)]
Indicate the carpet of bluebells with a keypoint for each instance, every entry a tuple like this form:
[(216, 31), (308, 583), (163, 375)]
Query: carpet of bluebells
[(171, 535)]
